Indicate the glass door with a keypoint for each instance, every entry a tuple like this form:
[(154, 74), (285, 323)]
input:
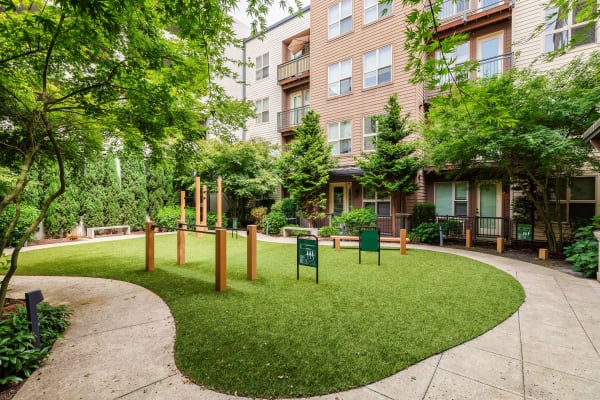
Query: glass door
[(339, 194), (296, 109), (489, 56), (489, 209)]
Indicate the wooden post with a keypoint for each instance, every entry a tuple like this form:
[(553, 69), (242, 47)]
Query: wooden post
[(500, 245), (204, 207), (219, 202), (402, 241), (220, 259), (469, 238), (182, 206), (149, 246), (543, 254), (181, 243), (251, 253), (197, 198), (336, 244)]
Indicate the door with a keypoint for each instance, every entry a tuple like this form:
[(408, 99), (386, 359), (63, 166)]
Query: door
[(339, 195), (489, 209), (296, 108), (489, 56)]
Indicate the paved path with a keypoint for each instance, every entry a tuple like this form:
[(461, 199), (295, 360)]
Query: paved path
[(120, 346)]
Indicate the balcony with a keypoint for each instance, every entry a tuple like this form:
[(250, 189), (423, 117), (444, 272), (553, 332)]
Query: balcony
[(460, 15), (294, 72), (288, 120)]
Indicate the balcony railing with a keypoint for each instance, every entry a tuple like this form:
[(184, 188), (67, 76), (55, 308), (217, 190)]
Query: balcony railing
[(461, 9), (485, 68), (290, 119), (293, 68)]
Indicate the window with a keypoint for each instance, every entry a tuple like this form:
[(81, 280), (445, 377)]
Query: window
[(340, 18), (262, 66), (374, 10), (377, 202), (459, 56), (451, 198), (339, 78), (487, 4), (450, 8), (339, 135), (563, 27), (377, 67), (370, 126), (577, 202), (262, 110), (491, 62)]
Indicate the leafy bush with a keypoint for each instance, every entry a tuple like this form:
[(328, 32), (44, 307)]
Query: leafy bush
[(259, 214), (211, 219), (168, 216), (27, 215), (427, 232), (583, 252), (289, 207), (328, 231), (451, 227), (18, 355), (276, 221), (355, 219), (423, 212)]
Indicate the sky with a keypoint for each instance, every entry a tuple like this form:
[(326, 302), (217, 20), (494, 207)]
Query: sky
[(275, 14)]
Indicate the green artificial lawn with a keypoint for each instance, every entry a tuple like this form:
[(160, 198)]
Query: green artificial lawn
[(277, 336)]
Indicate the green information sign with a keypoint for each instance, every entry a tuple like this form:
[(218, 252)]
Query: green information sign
[(524, 232), (307, 253)]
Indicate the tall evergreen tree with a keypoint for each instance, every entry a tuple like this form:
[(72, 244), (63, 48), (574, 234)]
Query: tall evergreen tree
[(304, 168), (134, 196), (63, 215), (92, 209), (111, 191), (160, 188)]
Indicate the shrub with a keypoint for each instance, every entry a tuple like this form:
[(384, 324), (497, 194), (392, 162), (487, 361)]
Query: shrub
[(258, 213), (423, 212), (27, 215), (168, 216), (328, 231), (427, 232), (211, 219), (451, 227), (356, 219), (289, 207), (276, 221), (583, 252)]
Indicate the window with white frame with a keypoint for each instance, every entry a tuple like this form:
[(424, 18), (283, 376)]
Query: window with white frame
[(458, 56), (450, 8), (375, 10), (563, 27), (262, 110), (576, 201), (339, 136), (451, 198), (339, 18), (379, 203), (262, 66), (370, 129), (377, 65), (339, 78)]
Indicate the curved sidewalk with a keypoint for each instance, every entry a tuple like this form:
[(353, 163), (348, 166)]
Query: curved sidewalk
[(120, 346)]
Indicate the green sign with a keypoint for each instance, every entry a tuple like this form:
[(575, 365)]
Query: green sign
[(307, 253), (524, 232)]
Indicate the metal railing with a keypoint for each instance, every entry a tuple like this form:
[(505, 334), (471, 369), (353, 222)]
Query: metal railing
[(288, 119), (293, 68), (460, 9), (494, 66), (490, 227)]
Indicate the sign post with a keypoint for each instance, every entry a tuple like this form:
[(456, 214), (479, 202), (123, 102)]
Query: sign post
[(307, 253)]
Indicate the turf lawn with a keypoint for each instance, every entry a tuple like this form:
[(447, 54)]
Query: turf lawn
[(277, 336)]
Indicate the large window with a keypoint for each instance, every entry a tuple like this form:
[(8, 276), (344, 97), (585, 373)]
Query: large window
[(377, 65), (451, 198), (563, 27), (576, 202), (453, 7), (370, 127), (262, 66), (339, 135), (377, 202), (262, 110), (339, 78), (375, 10), (340, 18)]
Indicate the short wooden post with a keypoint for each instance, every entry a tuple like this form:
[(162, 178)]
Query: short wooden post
[(219, 202), (403, 241), (181, 243), (197, 198), (204, 207), (182, 201), (500, 245), (251, 253), (543, 254), (220, 259), (469, 239), (336, 244), (149, 246)]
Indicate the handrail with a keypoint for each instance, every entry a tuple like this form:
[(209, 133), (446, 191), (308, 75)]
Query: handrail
[(293, 68)]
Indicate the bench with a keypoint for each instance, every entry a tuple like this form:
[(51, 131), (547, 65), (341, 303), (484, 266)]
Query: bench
[(288, 229), (383, 239), (91, 232)]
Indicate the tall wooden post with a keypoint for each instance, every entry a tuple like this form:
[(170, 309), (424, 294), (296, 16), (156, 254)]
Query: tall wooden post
[(197, 198), (469, 239), (204, 207), (182, 202), (402, 241), (220, 259), (219, 202), (251, 253), (500, 245), (181, 243), (149, 246)]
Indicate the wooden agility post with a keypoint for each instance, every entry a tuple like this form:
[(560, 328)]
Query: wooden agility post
[(220, 259), (219, 202), (500, 245), (543, 254), (182, 205), (469, 239), (197, 198), (149, 246), (181, 243), (204, 222), (403, 241), (251, 253)]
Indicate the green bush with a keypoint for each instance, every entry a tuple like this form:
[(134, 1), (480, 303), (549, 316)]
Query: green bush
[(583, 252), (276, 221), (27, 215), (355, 219), (451, 227), (168, 216), (211, 219), (423, 212), (289, 207), (18, 355), (258, 213), (328, 231), (427, 232)]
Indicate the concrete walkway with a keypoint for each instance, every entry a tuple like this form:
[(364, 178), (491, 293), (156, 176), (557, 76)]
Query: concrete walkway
[(120, 346)]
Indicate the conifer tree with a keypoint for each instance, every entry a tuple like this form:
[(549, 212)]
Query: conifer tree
[(134, 196)]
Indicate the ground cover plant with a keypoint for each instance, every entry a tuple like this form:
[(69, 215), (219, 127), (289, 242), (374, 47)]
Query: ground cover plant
[(281, 337)]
